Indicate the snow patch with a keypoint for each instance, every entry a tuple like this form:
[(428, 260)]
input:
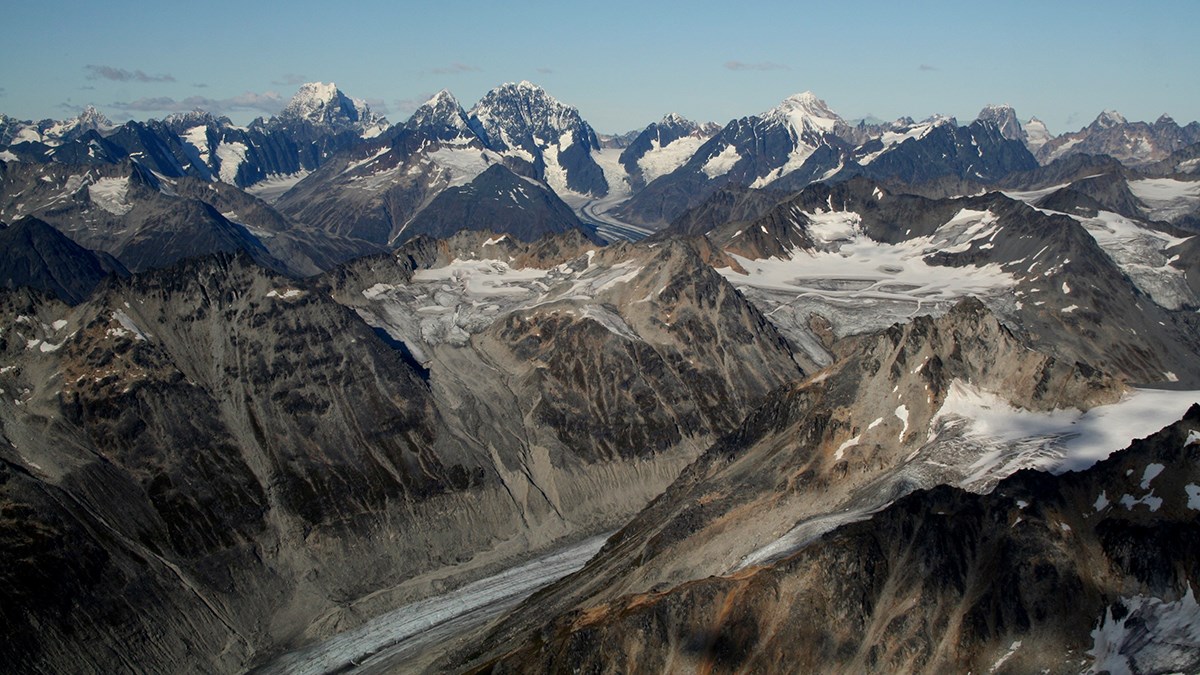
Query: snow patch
[(902, 413), (230, 156), (660, 161), (462, 165), (271, 188), (1193, 495), (128, 327), (1153, 636), (1166, 198), (1058, 440), (1152, 471), (109, 194), (837, 456), (721, 163), (1140, 252)]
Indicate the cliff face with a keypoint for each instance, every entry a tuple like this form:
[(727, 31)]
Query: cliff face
[(206, 465), (818, 454)]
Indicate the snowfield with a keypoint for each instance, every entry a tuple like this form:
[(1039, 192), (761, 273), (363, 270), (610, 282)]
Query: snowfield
[(1167, 198)]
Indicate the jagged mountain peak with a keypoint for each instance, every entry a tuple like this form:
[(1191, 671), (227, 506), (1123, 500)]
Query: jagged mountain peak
[(675, 119), (90, 118), (443, 97), (522, 97), (1005, 119), (1164, 119), (311, 96), (440, 111), (520, 112), (805, 111), (1108, 119), (323, 104), (191, 118)]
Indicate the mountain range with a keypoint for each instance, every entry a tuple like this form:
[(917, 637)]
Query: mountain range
[(486, 391)]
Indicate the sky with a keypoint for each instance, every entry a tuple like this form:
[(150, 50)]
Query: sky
[(622, 63)]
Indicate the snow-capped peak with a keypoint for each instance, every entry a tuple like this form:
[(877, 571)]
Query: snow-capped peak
[(323, 104), (675, 119), (91, 118), (1164, 119), (1109, 118), (1036, 134), (441, 111), (64, 130), (1004, 118), (442, 98), (525, 111), (311, 100), (804, 112)]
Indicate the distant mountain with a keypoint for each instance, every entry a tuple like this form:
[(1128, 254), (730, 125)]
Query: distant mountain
[(441, 117), (53, 132), (939, 148), (523, 121), (663, 147), (379, 190), (318, 121), (324, 106), (753, 151), (801, 142), (1132, 143), (618, 141), (1005, 120)]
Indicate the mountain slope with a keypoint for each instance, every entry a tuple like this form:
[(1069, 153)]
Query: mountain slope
[(1046, 572), (39, 256), (497, 200)]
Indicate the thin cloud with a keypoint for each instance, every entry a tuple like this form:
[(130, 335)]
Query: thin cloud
[(925, 67), (761, 65), (200, 85), (455, 68), (121, 75), (407, 106), (267, 102), (545, 71), (377, 105), (290, 79)]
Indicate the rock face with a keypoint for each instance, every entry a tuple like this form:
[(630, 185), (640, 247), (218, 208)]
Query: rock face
[(210, 440), (1046, 572), (821, 452), (523, 120), (205, 465)]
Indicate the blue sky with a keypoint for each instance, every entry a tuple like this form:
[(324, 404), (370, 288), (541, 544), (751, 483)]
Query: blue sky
[(623, 64)]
